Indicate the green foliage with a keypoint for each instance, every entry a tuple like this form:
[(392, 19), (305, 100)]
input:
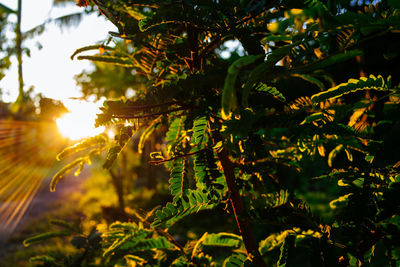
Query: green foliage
[(121, 140), (91, 47), (353, 85), (79, 162), (222, 240), (45, 236), (149, 130), (310, 175), (193, 202), (120, 61), (229, 101), (286, 250), (85, 144), (271, 90)]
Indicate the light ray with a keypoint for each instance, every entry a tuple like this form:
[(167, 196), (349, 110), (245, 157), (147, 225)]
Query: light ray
[(27, 153)]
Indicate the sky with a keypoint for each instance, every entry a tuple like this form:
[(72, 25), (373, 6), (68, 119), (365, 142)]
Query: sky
[(50, 69)]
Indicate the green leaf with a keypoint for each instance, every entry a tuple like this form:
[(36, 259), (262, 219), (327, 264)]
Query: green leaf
[(148, 244), (122, 139), (119, 61), (271, 90), (194, 202), (133, 258), (177, 183), (174, 134), (341, 201), (236, 260), (229, 94), (149, 130), (85, 144), (60, 174), (117, 243), (286, 251), (44, 236), (199, 130), (353, 85), (333, 154), (264, 69), (222, 240), (91, 47)]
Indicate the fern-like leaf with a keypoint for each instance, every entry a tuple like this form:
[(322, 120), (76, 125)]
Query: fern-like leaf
[(60, 174), (236, 260), (120, 61), (222, 240), (353, 85), (90, 47), (174, 133), (149, 130), (286, 250), (177, 184), (122, 139), (85, 144), (199, 131), (261, 87), (229, 100), (45, 236), (194, 202), (206, 172)]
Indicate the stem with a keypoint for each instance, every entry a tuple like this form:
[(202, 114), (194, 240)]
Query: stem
[(158, 162), (244, 226), (147, 107), (127, 116)]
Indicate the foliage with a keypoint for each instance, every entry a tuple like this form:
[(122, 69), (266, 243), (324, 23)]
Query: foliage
[(4, 53), (264, 133)]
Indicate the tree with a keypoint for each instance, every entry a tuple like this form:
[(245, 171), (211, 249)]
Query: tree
[(296, 139), (5, 61)]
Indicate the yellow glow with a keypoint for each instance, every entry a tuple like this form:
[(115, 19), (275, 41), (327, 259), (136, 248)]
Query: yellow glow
[(79, 123)]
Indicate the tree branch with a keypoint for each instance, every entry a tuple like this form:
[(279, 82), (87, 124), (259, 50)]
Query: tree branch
[(237, 204)]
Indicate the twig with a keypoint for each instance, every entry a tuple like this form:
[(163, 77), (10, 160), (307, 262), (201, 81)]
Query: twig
[(127, 116), (147, 107), (158, 162)]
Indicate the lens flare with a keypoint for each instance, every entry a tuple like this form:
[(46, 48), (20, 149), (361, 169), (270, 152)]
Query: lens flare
[(79, 123)]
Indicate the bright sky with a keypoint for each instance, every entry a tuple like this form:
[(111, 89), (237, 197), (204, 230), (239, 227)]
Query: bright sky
[(50, 70)]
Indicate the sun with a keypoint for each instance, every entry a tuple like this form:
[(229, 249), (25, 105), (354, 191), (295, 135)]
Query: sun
[(79, 122)]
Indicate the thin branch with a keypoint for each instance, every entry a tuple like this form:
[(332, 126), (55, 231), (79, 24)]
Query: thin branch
[(126, 116), (147, 107), (158, 162)]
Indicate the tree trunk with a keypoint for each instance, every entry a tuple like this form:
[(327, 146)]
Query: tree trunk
[(18, 48)]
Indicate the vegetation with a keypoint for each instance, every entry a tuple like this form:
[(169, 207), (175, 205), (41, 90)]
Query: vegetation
[(294, 140)]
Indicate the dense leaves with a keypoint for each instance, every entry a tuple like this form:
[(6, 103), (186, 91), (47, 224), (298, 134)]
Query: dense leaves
[(296, 137)]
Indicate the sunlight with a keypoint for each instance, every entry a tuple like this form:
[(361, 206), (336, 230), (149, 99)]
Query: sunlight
[(79, 123)]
